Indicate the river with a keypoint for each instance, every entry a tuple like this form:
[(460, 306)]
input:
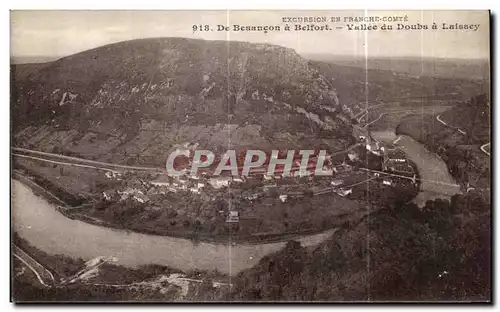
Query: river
[(436, 180), (38, 222)]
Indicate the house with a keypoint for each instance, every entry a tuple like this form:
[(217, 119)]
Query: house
[(336, 182), (237, 179), (398, 160), (135, 194), (112, 174), (396, 155), (194, 190), (387, 182), (268, 177), (252, 196), (140, 198), (402, 168), (353, 156), (268, 98), (283, 198), (156, 183), (343, 192), (233, 216), (255, 95), (219, 182), (106, 196)]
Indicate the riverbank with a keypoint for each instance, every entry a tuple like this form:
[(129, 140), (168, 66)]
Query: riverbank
[(436, 182), (462, 153), (78, 213), (37, 221), (201, 216)]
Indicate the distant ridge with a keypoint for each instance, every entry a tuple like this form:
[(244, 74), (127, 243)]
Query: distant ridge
[(478, 69), (32, 59)]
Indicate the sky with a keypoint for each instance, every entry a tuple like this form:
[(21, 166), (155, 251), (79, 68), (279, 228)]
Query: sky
[(61, 33)]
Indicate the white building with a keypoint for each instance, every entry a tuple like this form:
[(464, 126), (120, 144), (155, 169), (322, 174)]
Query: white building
[(233, 217), (352, 156), (219, 182), (194, 190), (141, 198), (237, 179), (268, 177), (344, 192), (158, 183), (337, 182)]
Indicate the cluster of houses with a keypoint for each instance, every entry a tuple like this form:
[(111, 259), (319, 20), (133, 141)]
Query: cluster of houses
[(143, 190), (395, 161), (341, 191)]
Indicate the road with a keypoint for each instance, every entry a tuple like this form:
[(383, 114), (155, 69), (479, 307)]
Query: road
[(71, 161), (82, 162), (331, 189), (454, 185), (62, 162), (44, 276), (373, 121), (438, 117), (399, 110), (98, 165), (482, 148), (368, 108)]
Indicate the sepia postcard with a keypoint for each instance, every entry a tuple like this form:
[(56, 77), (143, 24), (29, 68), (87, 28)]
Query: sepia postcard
[(250, 156)]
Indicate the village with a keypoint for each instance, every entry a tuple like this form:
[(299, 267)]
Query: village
[(204, 198)]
